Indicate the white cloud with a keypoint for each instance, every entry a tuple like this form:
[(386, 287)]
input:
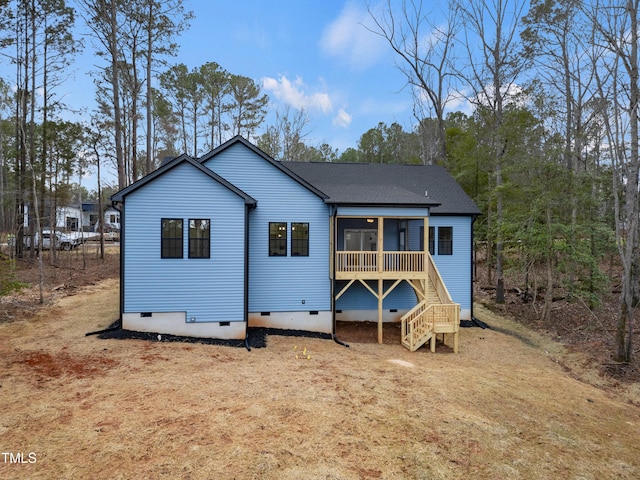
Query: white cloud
[(348, 39), (458, 101), (342, 119), (295, 94), (511, 94)]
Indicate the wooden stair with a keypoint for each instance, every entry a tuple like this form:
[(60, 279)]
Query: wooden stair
[(422, 323), (436, 313), (416, 327)]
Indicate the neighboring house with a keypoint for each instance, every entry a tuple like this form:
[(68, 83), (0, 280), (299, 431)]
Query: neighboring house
[(75, 218), (68, 217), (91, 217), (236, 239)]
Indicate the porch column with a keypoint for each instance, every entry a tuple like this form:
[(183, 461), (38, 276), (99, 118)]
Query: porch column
[(332, 246), (426, 258), (380, 270), (380, 248), (380, 300)]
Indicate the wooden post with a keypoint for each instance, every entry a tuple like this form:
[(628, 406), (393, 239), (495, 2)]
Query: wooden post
[(332, 245), (380, 244), (380, 270), (426, 257), (380, 300)]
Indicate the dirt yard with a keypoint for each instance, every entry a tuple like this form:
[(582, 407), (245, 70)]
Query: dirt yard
[(510, 405)]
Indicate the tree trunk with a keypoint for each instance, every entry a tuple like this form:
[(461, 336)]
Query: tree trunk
[(624, 330), (115, 85), (548, 297), (149, 92)]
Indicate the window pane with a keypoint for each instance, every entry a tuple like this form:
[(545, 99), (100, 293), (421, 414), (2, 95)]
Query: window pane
[(277, 239), (445, 240), (171, 238), (199, 238), (300, 239)]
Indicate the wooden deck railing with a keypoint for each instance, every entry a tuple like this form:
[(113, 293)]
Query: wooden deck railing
[(348, 261), (356, 261), (416, 330), (403, 261)]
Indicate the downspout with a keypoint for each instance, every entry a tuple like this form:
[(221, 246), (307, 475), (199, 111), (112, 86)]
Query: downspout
[(333, 277), (473, 261), (121, 210), (246, 277)]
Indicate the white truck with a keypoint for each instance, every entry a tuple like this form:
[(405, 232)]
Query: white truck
[(60, 240)]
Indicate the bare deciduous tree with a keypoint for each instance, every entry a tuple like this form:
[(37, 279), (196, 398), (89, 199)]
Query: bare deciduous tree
[(495, 62), (425, 54), (616, 32)]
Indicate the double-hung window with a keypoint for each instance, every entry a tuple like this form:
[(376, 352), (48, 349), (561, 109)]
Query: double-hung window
[(299, 239), (199, 238), (277, 239), (445, 240), (171, 238)]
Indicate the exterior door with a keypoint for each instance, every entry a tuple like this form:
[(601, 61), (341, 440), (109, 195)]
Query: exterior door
[(361, 240)]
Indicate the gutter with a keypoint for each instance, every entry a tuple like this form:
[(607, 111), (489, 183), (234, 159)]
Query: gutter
[(122, 238), (246, 277), (473, 263)]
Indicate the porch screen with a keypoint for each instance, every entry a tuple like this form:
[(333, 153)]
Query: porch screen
[(361, 240)]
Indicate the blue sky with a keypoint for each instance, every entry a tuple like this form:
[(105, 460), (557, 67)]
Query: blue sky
[(315, 54), (305, 53)]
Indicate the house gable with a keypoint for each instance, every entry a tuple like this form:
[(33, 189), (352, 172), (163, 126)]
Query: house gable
[(166, 167), (238, 141), (184, 296), (285, 283)]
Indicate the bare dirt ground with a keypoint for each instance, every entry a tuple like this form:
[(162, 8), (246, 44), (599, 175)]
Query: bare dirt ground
[(513, 404)]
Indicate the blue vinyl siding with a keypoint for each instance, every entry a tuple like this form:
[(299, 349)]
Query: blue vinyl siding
[(279, 284), (357, 297), (455, 269), (209, 289), (391, 235), (415, 234)]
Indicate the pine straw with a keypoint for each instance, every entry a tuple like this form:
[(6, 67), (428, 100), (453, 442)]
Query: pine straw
[(504, 407)]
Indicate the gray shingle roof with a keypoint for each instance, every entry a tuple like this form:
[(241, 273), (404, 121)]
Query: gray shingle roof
[(387, 184)]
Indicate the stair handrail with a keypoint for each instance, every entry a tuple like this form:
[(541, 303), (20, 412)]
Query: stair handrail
[(408, 321), (438, 282)]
